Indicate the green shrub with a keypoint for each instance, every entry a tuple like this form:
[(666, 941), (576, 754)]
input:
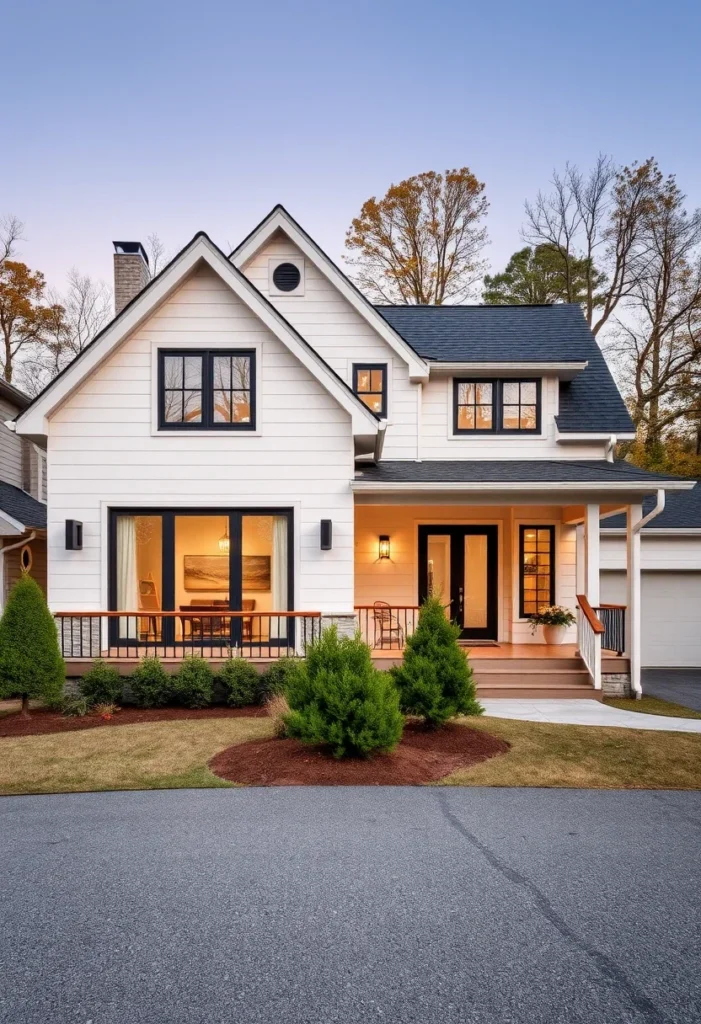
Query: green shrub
[(240, 682), (150, 685), (31, 665), (435, 680), (339, 698), (274, 681), (76, 707), (101, 684), (192, 686)]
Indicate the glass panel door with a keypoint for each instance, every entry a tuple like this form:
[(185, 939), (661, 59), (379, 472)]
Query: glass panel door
[(438, 584), (264, 578), (201, 562), (476, 577)]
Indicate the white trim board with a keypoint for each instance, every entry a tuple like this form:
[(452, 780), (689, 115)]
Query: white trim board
[(280, 220), (33, 422)]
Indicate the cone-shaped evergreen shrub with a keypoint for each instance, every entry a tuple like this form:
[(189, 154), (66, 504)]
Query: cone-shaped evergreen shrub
[(339, 698), (31, 665), (435, 680), (151, 686), (101, 684), (192, 686)]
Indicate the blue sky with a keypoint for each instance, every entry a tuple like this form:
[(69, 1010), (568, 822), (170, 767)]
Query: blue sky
[(125, 118)]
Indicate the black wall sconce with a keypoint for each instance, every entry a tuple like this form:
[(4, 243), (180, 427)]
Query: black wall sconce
[(384, 547), (74, 535), (326, 534)]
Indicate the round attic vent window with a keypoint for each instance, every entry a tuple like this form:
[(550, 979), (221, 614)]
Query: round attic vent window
[(286, 277)]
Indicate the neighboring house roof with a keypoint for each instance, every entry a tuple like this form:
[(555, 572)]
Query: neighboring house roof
[(280, 220), (682, 511), (536, 472), (547, 334), (20, 506), (198, 251), (14, 395)]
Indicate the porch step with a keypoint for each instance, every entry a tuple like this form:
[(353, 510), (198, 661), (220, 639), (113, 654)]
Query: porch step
[(526, 664), (578, 677)]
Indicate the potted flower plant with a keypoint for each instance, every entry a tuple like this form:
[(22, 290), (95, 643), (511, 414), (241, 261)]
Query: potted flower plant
[(554, 621)]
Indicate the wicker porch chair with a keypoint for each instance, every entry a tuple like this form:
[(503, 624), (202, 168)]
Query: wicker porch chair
[(387, 628)]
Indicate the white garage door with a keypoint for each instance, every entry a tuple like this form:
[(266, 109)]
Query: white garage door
[(671, 615)]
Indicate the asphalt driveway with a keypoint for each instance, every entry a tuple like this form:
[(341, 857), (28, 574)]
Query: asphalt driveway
[(681, 685), (351, 905)]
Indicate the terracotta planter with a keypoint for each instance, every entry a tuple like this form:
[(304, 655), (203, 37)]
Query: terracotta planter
[(554, 634)]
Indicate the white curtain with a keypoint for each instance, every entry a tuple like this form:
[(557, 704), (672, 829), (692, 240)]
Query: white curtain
[(278, 626), (127, 577)]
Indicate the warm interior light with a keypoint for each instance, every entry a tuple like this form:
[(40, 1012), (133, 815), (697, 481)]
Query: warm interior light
[(224, 541), (384, 547)]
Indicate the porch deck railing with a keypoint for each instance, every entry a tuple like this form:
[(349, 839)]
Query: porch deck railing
[(220, 634), (613, 619), (589, 633), (386, 627)]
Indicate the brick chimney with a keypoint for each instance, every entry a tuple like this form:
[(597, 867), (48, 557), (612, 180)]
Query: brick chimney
[(131, 273)]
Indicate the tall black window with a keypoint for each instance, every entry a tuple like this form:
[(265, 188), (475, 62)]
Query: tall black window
[(370, 385), (496, 406), (536, 568), (211, 389)]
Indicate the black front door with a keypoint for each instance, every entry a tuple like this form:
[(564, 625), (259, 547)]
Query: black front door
[(459, 565)]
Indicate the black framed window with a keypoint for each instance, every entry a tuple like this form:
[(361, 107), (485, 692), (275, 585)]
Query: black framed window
[(206, 389), (496, 406), (536, 569), (370, 385)]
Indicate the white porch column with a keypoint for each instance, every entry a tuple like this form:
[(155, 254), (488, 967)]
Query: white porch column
[(634, 599), (591, 547), (580, 560)]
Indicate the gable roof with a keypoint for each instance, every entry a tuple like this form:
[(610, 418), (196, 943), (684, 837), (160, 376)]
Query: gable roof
[(22, 507), (554, 333), (682, 512), (280, 220), (201, 250), (13, 395)]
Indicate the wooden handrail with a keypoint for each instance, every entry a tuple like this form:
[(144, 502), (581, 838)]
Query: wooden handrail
[(394, 607), (208, 614), (589, 614), (622, 606)]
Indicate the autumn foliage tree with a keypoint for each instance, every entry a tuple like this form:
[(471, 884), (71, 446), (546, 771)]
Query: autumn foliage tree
[(26, 318), (421, 243)]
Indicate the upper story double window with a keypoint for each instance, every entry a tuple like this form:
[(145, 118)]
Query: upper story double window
[(206, 389), (370, 385), (496, 406)]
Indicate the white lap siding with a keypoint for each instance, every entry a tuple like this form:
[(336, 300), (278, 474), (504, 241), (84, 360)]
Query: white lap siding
[(104, 451), (342, 337)]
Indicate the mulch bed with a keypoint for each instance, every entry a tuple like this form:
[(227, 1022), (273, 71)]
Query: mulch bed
[(422, 756), (42, 722)]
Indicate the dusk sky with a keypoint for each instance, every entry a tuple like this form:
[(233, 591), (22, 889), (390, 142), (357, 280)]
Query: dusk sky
[(121, 119)]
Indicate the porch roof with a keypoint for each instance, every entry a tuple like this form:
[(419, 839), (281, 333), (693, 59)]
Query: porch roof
[(21, 507), (505, 474)]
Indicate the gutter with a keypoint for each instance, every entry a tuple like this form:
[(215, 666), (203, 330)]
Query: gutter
[(483, 486), (3, 552), (610, 446)]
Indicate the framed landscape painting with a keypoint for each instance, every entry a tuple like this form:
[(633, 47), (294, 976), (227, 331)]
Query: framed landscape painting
[(211, 572)]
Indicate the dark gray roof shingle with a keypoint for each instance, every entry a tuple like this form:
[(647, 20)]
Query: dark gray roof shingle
[(682, 511), (22, 506), (548, 334), (527, 471)]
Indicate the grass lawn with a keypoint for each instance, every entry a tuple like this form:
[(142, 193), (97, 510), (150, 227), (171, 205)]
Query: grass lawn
[(652, 706), (171, 755)]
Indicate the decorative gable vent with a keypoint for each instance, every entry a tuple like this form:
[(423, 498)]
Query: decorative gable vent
[(286, 276)]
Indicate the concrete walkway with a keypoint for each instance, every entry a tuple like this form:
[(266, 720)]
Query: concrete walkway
[(584, 712)]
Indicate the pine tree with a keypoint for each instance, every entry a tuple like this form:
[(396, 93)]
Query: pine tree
[(31, 665), (339, 698), (435, 679)]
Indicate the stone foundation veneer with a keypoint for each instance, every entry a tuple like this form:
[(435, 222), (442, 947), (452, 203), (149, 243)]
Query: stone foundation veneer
[(347, 624), (615, 684)]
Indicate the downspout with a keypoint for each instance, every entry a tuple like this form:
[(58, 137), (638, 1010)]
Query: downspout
[(610, 447), (659, 507), (3, 552)]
